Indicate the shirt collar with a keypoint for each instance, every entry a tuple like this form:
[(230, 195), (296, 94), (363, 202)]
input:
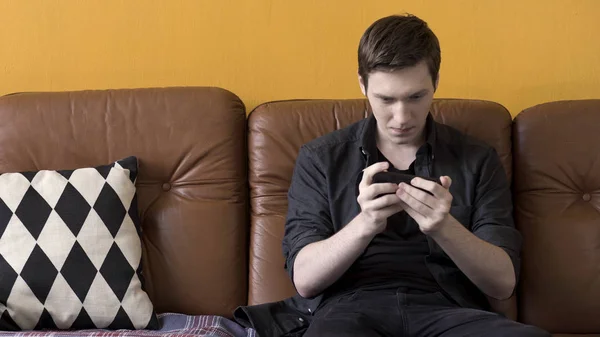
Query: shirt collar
[(368, 144)]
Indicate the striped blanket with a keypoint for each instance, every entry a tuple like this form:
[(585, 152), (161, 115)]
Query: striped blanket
[(171, 325)]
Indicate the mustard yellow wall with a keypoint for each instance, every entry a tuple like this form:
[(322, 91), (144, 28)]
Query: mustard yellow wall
[(516, 52)]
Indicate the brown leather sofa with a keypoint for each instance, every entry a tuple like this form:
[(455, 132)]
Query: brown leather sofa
[(212, 187)]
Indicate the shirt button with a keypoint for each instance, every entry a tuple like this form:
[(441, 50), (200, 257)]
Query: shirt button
[(301, 319), (587, 197), (166, 187), (309, 310)]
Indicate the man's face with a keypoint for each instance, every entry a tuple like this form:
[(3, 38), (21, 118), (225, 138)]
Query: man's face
[(400, 100)]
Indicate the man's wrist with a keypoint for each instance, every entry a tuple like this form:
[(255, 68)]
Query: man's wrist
[(446, 229), (362, 227)]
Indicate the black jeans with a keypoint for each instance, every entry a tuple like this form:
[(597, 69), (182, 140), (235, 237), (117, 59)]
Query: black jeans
[(396, 313)]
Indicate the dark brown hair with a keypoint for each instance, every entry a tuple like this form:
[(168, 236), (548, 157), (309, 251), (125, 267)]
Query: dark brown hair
[(397, 42)]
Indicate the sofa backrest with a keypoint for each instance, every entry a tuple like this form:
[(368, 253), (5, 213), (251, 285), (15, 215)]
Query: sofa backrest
[(192, 187), (275, 133), (557, 209)]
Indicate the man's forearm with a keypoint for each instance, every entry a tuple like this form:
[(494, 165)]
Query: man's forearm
[(487, 266), (320, 264)]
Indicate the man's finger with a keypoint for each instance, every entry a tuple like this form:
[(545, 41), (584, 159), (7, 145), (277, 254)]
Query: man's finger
[(384, 201), (412, 202), (446, 182), (393, 209), (418, 194), (418, 217), (432, 187), (370, 171), (371, 192)]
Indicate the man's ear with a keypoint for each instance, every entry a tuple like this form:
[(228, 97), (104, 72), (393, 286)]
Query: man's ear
[(437, 82), (362, 85)]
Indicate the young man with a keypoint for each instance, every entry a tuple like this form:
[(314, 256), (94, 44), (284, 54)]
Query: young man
[(417, 259)]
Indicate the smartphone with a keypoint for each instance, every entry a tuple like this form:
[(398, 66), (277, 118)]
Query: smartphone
[(397, 178)]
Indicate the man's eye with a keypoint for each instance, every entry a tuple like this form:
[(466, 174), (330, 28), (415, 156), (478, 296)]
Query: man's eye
[(387, 99), (416, 97)]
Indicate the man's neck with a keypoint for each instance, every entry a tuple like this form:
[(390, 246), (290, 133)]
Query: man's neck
[(400, 155)]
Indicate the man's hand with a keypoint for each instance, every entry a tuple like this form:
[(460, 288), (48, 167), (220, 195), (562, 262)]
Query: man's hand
[(487, 266), (429, 211), (375, 210)]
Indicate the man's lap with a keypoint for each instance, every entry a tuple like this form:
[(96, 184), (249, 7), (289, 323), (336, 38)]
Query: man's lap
[(390, 313), (356, 315)]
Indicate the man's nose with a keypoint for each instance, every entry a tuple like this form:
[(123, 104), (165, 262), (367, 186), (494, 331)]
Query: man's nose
[(401, 113)]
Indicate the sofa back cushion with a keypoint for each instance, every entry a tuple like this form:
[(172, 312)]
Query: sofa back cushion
[(557, 209), (276, 132), (191, 147)]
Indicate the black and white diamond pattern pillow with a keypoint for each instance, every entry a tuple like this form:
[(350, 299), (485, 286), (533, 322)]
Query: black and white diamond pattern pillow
[(70, 250)]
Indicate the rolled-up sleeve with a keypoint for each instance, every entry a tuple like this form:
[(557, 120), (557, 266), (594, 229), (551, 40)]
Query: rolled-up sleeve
[(308, 218), (493, 210)]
